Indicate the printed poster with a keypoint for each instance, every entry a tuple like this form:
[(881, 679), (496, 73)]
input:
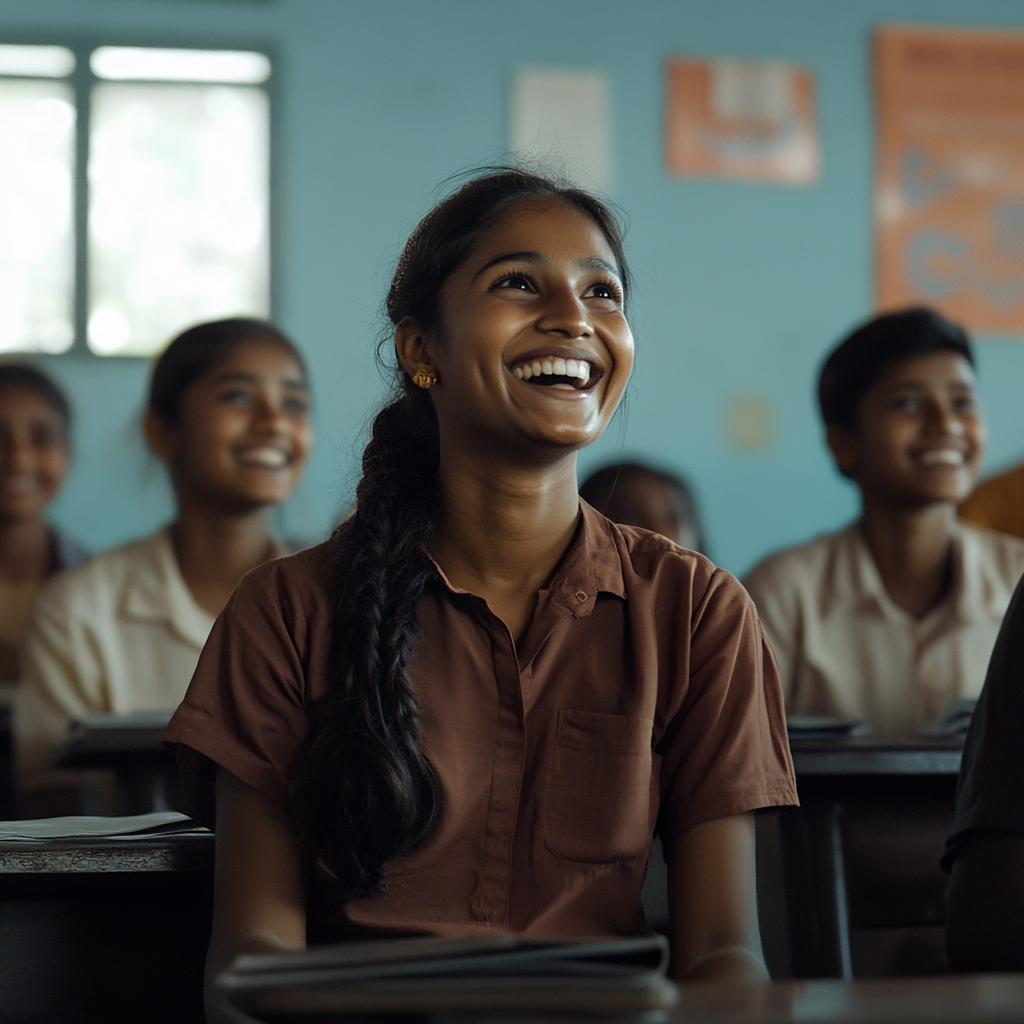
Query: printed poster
[(562, 118), (741, 119), (949, 204)]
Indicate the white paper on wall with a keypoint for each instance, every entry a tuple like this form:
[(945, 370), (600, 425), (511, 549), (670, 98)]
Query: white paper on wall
[(563, 119)]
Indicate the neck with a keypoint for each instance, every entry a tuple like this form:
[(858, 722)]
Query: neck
[(503, 530), (215, 549), (913, 550), (26, 550)]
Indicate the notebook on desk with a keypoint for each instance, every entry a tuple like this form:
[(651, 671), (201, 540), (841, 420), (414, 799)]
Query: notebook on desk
[(497, 974)]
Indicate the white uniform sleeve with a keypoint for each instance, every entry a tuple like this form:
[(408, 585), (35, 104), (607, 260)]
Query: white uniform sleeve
[(61, 675)]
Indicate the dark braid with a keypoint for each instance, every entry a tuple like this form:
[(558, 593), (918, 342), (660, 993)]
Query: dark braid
[(362, 790)]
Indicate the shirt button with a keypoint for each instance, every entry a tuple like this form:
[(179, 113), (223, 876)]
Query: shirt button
[(580, 596)]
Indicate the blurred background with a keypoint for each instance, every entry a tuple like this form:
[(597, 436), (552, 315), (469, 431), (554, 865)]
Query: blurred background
[(279, 167)]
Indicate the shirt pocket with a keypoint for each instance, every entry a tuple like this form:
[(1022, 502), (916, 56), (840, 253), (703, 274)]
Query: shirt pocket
[(602, 794)]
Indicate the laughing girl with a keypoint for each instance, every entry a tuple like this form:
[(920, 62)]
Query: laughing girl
[(471, 709)]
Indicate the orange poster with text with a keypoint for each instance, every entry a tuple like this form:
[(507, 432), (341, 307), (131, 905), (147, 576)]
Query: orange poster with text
[(743, 119), (949, 201)]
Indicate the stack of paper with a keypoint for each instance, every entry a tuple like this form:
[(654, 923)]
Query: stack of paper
[(136, 826)]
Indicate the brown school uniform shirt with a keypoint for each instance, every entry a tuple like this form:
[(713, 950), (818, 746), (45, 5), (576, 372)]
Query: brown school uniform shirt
[(643, 695)]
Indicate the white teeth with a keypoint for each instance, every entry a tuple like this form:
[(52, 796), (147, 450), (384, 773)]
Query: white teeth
[(554, 366), (273, 458), (943, 457)]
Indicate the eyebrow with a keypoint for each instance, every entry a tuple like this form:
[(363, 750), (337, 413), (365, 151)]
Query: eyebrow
[(539, 259), (252, 378)]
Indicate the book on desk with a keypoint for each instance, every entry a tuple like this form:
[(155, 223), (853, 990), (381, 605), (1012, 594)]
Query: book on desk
[(609, 978)]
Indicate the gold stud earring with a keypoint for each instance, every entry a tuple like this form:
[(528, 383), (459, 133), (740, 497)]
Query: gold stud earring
[(425, 379)]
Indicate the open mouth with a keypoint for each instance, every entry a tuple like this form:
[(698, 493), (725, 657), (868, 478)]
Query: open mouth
[(942, 458), (264, 457), (556, 372)]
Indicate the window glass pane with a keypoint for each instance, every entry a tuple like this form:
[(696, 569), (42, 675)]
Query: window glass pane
[(36, 61), (238, 66), (37, 124), (178, 211)]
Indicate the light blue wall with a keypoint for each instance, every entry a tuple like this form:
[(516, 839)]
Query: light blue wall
[(741, 287)]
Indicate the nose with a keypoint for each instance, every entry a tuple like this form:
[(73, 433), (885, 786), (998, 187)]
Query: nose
[(270, 416), (565, 315), (943, 419)]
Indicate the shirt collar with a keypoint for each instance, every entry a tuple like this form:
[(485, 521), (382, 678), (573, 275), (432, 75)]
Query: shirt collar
[(856, 580), (155, 591), (592, 565)]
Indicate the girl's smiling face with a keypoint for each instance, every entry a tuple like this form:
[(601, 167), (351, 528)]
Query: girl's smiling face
[(533, 347), (243, 433), (34, 454)]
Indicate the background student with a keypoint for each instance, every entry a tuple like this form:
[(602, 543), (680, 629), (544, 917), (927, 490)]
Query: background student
[(633, 494), (985, 922), (228, 414), (471, 707), (895, 616), (35, 453)]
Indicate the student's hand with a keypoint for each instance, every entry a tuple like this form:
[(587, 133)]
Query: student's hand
[(259, 899), (712, 898), (985, 923)]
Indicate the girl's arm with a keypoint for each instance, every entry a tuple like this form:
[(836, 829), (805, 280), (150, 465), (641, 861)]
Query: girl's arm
[(259, 899), (712, 898)]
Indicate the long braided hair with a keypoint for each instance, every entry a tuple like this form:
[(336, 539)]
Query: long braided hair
[(362, 790)]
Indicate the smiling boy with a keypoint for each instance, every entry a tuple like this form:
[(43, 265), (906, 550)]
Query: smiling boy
[(895, 616)]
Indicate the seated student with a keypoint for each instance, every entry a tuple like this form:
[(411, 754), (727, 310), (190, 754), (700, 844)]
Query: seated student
[(985, 922), (228, 415), (895, 616), (471, 708), (998, 503), (632, 494), (35, 420)]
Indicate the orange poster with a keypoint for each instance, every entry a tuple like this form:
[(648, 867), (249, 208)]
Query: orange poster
[(949, 203), (741, 119)]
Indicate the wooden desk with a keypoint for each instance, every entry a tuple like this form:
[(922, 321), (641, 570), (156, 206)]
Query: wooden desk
[(863, 849), (967, 999), (145, 776), (105, 930)]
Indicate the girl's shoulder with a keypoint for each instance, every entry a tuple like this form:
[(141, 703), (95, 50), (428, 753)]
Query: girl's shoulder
[(298, 580), (655, 568)]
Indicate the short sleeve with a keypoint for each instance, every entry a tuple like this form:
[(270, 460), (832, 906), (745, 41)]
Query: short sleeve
[(726, 750), (245, 707), (61, 677), (990, 792)]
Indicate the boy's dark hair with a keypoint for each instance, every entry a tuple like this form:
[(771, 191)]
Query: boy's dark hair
[(857, 362), (24, 375), (599, 490)]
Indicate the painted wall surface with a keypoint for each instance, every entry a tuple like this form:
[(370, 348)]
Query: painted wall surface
[(741, 288)]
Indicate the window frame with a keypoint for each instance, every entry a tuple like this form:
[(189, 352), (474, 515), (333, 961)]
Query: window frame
[(81, 81)]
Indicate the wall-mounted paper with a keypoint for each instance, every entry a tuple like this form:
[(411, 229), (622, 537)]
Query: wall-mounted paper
[(562, 118), (949, 203), (741, 119)]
